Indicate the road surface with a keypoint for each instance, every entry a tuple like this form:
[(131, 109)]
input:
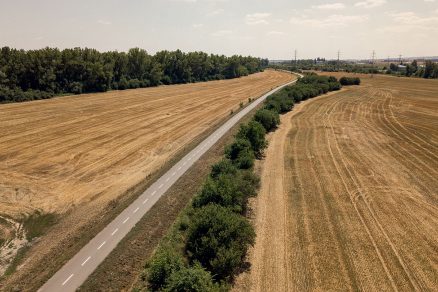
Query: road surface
[(77, 269)]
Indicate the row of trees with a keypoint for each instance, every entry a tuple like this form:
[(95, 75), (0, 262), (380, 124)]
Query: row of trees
[(214, 234), (429, 70), (39, 74)]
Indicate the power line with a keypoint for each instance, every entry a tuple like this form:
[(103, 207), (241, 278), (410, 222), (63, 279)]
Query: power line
[(295, 57)]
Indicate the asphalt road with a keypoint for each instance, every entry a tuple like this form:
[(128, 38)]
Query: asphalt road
[(78, 268)]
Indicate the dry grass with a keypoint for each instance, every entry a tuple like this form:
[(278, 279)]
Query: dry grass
[(357, 171), (86, 157), (61, 152)]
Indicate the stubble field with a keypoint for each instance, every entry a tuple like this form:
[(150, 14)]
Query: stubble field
[(61, 152), (349, 193), (85, 157)]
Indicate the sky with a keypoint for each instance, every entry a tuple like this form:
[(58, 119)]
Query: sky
[(271, 29)]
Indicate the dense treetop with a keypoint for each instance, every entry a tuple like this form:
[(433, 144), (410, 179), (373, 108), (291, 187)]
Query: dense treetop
[(38, 74)]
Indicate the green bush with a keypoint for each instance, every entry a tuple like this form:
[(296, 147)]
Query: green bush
[(164, 263), (279, 102), (134, 83), (224, 166), (255, 133), (273, 105), (193, 279), (268, 119), (76, 87), (240, 153), (349, 81), (228, 190), (239, 145), (219, 240), (38, 223), (245, 160), (123, 84)]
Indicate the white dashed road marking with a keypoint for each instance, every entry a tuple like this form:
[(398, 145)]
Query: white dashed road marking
[(85, 261), (194, 154), (65, 282), (101, 245)]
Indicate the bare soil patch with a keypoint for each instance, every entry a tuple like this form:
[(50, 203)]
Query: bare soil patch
[(349, 193)]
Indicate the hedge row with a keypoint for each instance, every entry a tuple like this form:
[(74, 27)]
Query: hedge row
[(212, 237), (350, 81)]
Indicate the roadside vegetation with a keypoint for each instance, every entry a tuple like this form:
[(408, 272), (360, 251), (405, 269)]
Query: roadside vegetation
[(207, 246), (44, 73), (426, 69)]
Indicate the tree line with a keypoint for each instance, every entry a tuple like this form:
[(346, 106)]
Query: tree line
[(429, 70), (44, 73), (208, 244)]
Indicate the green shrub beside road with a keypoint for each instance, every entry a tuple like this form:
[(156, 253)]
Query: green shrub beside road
[(213, 234)]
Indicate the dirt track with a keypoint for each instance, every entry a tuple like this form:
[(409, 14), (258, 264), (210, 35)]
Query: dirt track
[(349, 193), (61, 152)]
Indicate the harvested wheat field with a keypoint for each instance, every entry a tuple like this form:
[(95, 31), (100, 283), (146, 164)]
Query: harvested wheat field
[(349, 193), (65, 151)]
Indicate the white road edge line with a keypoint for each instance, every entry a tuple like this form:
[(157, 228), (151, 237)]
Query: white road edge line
[(125, 220), (101, 245), (65, 282), (85, 261), (135, 211), (114, 232)]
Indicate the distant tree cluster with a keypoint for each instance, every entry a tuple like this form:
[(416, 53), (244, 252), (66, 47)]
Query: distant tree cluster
[(346, 81), (40, 74), (208, 247), (429, 70)]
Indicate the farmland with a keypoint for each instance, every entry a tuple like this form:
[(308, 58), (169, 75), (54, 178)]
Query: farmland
[(348, 197), (80, 153), (92, 147)]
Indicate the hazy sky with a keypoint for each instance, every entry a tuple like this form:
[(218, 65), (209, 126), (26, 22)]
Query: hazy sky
[(263, 28)]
